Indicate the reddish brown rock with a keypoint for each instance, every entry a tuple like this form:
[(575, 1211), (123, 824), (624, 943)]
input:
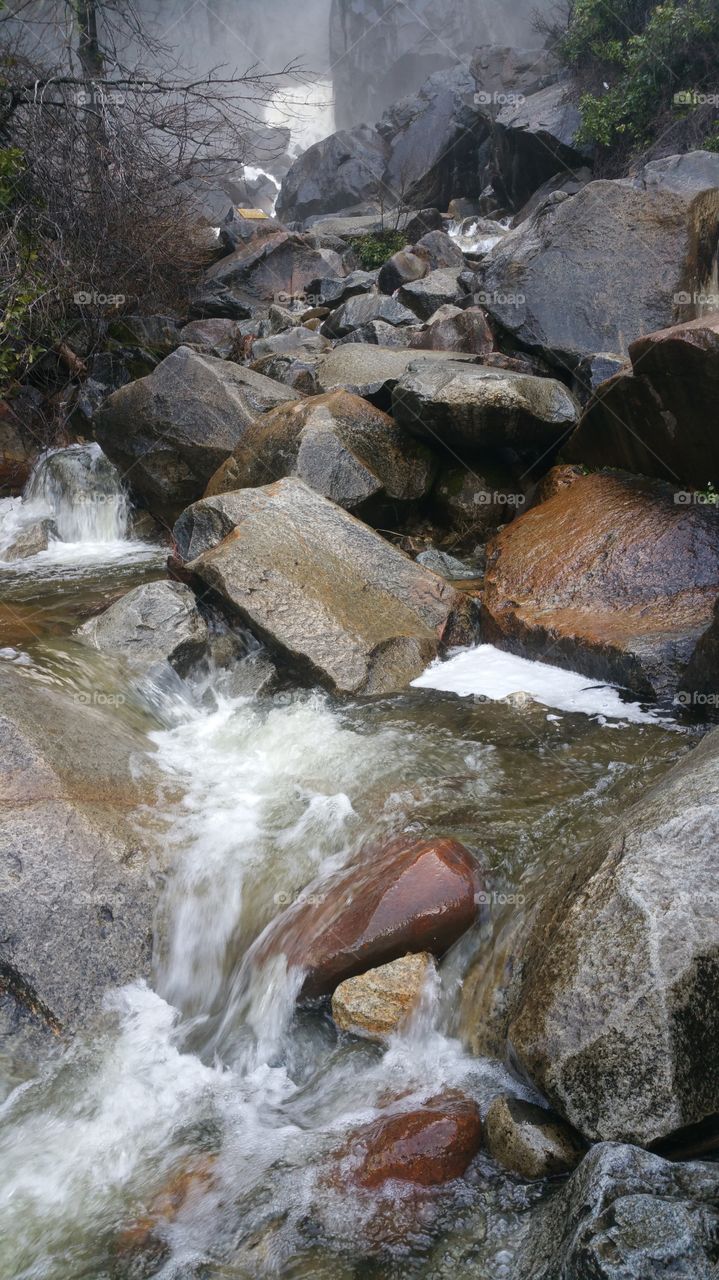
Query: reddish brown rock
[(657, 418), (188, 1182), (410, 896), (16, 452), (611, 577), (427, 1146)]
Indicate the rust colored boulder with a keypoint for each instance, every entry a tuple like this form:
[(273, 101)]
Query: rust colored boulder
[(611, 577), (428, 1146), (410, 896), (658, 417)]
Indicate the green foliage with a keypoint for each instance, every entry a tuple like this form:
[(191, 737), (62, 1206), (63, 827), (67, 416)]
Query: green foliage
[(374, 248), (655, 58)]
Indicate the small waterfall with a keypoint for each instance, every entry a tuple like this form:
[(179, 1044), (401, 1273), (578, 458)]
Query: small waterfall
[(82, 493)]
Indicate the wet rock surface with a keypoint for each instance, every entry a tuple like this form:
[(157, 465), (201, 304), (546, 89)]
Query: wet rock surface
[(377, 1003), (169, 432), (78, 893), (529, 1141), (626, 1215), (153, 624), (339, 445), (412, 895), (615, 1020), (342, 605), (610, 577), (427, 1146)]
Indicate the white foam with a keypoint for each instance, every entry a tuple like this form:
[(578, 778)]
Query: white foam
[(489, 672)]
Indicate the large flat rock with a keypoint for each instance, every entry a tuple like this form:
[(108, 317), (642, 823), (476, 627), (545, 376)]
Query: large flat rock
[(328, 594)]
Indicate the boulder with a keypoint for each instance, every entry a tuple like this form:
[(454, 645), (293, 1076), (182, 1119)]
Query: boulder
[(340, 445), (77, 894), (380, 1002), (655, 416), (153, 624), (218, 337), (625, 1214), (276, 268), (342, 170), (299, 372), (298, 341), (476, 500), (29, 541), (615, 1015), (434, 137), (170, 431), (533, 139), (447, 566), (425, 296), (402, 268), (567, 182), (595, 271), (157, 334), (369, 371), (17, 452), (465, 331), (360, 310), (441, 250), (609, 577), (380, 334), (686, 175), (529, 1141), (331, 292), (476, 409), (505, 75), (410, 896), (329, 595), (427, 1146)]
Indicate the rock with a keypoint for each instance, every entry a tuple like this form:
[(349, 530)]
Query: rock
[(297, 372), (152, 624), (377, 1003), (654, 418), (410, 896), (343, 606), (625, 1215), (170, 431), (533, 139), (30, 541), (360, 310), (77, 894), (369, 371), (505, 75), (593, 272), (237, 230), (221, 338), (687, 175), (594, 370), (277, 268), (190, 1180), (378, 333), (610, 577), (614, 1016), (529, 1141), (556, 479), (332, 293), (342, 170), (445, 565), (476, 502), (17, 451), (403, 268), (476, 409), (428, 1146), (568, 183), (340, 445), (441, 250), (424, 296), (465, 331), (157, 334), (298, 341)]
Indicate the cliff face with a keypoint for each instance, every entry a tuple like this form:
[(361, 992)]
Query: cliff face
[(380, 50)]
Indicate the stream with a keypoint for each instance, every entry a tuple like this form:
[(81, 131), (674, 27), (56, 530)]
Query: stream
[(209, 1067)]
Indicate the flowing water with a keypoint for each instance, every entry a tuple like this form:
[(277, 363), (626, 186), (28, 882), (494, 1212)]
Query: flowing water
[(202, 1101)]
